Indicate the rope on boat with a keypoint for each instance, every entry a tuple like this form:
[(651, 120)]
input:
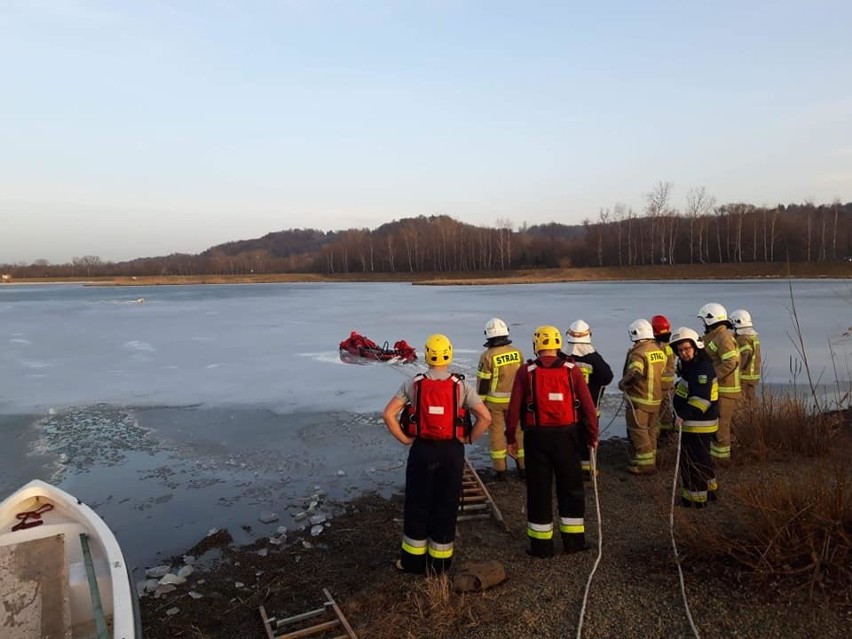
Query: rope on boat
[(594, 461), (674, 543)]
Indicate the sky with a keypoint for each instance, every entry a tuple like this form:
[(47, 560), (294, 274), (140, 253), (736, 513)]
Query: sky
[(144, 128)]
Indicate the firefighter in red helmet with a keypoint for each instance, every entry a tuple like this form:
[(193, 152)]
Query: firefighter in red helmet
[(662, 334)]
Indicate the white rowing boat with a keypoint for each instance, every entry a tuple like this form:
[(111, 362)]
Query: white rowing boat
[(62, 573)]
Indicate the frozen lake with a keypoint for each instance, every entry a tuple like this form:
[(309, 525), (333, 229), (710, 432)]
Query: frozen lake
[(203, 406)]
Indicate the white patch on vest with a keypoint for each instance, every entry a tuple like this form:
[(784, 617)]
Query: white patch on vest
[(436, 410), (555, 397)]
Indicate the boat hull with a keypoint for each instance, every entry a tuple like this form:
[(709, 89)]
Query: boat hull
[(46, 578)]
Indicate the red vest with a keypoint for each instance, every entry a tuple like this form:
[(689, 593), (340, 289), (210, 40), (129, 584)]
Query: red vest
[(436, 412), (552, 401)]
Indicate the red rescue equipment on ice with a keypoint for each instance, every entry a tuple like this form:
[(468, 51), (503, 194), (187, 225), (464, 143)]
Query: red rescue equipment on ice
[(357, 348)]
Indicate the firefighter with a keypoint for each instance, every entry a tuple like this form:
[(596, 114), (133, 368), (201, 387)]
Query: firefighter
[(551, 403), (662, 334), (596, 372), (495, 376), (641, 384), (433, 405), (696, 407), (749, 347), (722, 348)]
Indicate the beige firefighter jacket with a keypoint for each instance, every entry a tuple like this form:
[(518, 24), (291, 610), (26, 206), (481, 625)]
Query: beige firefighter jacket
[(668, 378), (643, 373), (749, 347), (496, 374), (723, 350)]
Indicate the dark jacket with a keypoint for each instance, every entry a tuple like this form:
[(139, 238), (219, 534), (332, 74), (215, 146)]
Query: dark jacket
[(696, 396)]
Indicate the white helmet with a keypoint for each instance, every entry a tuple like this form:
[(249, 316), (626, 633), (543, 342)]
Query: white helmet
[(741, 319), (683, 334), (712, 313), (495, 327), (640, 329), (579, 333)]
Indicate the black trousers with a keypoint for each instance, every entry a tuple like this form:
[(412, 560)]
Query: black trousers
[(696, 464), (554, 452), (433, 484)]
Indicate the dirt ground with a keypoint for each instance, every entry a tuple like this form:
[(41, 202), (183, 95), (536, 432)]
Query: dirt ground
[(634, 592)]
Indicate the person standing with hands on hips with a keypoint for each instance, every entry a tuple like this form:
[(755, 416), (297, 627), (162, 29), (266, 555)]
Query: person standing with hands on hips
[(551, 402), (428, 413)]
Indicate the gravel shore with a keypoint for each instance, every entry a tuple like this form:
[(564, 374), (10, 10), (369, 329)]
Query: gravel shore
[(635, 591)]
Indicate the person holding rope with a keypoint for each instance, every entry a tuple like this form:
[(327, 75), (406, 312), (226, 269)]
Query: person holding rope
[(596, 372), (551, 403), (642, 387), (433, 406), (696, 407), (495, 376)]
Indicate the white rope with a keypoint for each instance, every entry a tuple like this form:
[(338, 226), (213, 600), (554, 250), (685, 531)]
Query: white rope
[(594, 459), (610, 422), (674, 543)]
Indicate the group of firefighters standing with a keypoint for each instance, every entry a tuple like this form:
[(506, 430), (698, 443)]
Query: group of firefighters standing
[(543, 413)]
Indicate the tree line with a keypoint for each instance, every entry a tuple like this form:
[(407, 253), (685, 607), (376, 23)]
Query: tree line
[(698, 233)]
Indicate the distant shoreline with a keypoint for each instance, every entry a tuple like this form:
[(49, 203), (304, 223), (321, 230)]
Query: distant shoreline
[(728, 271)]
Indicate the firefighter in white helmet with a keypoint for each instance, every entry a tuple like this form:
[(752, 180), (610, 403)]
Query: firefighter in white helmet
[(495, 376), (428, 414), (749, 346), (696, 406), (723, 350), (642, 387), (597, 373)]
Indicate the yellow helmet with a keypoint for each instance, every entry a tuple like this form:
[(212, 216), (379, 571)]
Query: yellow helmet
[(439, 350), (547, 338)]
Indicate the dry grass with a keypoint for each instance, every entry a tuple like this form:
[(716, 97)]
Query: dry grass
[(423, 608), (783, 426), (790, 529)]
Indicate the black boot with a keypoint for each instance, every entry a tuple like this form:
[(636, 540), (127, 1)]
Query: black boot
[(522, 474)]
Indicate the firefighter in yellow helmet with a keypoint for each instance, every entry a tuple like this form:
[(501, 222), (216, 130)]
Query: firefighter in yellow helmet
[(721, 346), (749, 345), (551, 402), (428, 414), (641, 384), (495, 376)]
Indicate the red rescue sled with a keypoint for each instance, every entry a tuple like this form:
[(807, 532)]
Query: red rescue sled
[(357, 349)]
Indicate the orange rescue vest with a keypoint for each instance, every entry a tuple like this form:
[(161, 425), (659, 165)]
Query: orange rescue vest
[(551, 394), (436, 412)]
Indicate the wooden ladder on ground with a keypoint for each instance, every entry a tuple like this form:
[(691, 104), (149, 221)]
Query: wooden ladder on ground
[(323, 623), (476, 502)]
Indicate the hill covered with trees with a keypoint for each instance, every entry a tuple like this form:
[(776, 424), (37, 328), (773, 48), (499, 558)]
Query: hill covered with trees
[(699, 233)]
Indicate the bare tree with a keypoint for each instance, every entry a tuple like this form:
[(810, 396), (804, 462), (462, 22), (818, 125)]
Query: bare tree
[(698, 206), (658, 201)]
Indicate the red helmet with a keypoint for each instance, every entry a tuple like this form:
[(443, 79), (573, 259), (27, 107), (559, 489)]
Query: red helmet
[(661, 326)]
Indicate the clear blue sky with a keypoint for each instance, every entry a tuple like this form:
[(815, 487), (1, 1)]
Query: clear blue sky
[(142, 128)]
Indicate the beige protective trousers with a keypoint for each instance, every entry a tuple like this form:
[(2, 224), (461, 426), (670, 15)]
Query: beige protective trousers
[(497, 438), (720, 448), (642, 430)]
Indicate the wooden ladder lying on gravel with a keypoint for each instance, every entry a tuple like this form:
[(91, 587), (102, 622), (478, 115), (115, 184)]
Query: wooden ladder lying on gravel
[(322, 623), (476, 502)]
